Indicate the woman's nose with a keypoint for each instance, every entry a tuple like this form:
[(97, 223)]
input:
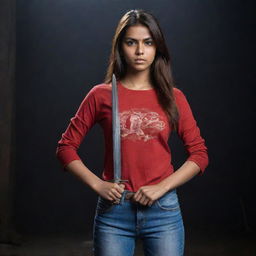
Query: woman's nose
[(139, 49)]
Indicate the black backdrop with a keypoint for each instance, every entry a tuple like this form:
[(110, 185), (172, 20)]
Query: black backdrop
[(62, 51)]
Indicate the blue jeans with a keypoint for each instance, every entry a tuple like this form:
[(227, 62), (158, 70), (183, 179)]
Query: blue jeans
[(160, 227)]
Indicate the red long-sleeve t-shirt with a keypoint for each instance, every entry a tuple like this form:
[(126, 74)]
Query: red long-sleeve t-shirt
[(145, 153)]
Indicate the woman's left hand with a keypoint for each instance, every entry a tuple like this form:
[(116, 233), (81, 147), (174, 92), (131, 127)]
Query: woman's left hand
[(146, 195)]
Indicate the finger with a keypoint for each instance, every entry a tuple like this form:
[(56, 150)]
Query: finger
[(122, 185), (137, 196), (141, 197), (144, 200), (120, 188), (117, 201), (113, 198), (116, 194), (138, 199), (113, 194), (150, 203), (147, 202), (115, 191)]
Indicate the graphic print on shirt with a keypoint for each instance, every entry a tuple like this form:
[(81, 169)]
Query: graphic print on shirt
[(140, 124)]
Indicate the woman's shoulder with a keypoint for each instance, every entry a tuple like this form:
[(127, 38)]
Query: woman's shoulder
[(178, 93), (99, 91), (101, 88), (180, 98)]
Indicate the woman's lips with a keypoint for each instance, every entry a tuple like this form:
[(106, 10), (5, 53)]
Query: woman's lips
[(139, 60)]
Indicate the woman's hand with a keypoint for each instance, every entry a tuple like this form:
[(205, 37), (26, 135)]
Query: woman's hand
[(146, 195), (110, 191)]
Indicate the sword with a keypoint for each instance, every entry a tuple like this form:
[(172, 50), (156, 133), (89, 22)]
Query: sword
[(116, 134), (116, 138)]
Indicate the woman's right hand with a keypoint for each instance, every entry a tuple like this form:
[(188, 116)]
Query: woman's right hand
[(109, 190)]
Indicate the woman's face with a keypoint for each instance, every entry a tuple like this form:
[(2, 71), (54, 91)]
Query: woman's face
[(138, 48)]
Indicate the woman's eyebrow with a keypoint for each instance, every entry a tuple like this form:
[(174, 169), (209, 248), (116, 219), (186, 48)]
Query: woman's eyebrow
[(145, 39)]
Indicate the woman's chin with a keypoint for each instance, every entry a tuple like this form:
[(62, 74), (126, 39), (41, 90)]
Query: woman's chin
[(139, 68)]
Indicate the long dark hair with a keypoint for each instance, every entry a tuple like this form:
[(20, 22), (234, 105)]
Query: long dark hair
[(160, 75)]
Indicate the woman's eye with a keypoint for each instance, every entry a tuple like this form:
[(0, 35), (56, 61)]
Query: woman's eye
[(129, 43), (149, 42)]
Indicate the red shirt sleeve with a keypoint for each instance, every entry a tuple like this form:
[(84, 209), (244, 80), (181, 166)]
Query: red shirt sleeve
[(190, 133), (80, 124)]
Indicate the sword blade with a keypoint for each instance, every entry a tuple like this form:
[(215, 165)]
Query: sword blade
[(116, 132)]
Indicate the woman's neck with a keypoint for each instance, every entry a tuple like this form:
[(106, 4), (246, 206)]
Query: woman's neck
[(137, 81)]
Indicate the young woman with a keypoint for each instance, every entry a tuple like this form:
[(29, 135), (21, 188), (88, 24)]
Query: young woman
[(150, 108)]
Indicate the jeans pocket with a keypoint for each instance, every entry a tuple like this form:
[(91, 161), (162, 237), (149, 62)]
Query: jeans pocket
[(104, 205), (169, 201)]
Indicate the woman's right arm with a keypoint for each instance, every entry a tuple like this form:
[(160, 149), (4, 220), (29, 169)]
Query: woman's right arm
[(86, 116), (108, 190)]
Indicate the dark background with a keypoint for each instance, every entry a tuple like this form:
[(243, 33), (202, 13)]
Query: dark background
[(62, 51)]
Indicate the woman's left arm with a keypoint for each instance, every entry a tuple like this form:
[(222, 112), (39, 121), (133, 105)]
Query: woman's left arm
[(189, 132), (146, 195), (186, 172)]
